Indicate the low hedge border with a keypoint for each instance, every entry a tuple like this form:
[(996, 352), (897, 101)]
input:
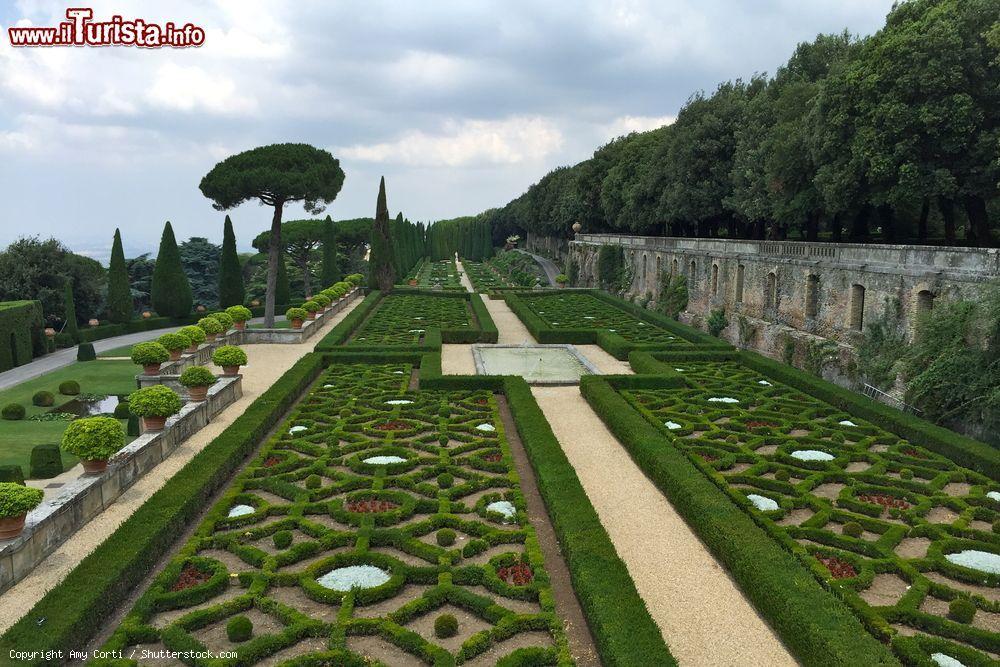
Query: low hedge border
[(72, 612), (964, 451), (623, 630), (817, 628)]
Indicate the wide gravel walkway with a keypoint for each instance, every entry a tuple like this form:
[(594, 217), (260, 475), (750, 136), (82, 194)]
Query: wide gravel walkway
[(268, 362)]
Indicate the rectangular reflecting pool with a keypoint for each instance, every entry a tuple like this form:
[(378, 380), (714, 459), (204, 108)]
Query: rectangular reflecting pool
[(537, 364)]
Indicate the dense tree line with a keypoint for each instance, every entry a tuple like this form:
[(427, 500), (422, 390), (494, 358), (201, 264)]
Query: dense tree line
[(469, 236), (892, 138)]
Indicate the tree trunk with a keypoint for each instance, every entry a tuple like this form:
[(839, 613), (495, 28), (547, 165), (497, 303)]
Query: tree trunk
[(925, 211), (859, 227), (812, 226), (836, 229), (273, 255), (947, 208), (887, 220), (306, 282), (975, 208)]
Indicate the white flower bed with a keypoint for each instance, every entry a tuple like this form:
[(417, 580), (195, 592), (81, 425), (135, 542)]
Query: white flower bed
[(811, 455), (240, 510), (673, 426), (723, 399), (398, 373), (298, 429), (984, 561), (354, 576), (416, 331), (398, 401), (679, 370), (504, 507), (764, 383), (993, 495), (846, 422), (383, 460), (946, 660), (486, 428), (762, 503)]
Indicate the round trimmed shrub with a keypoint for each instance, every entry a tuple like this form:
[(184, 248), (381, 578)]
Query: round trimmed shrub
[(445, 480), (314, 481), (445, 625), (196, 334), (853, 529), (961, 610), (45, 462), (121, 410), (16, 499), (322, 299), (86, 352), (69, 388), (43, 399), (239, 629), (311, 306), (782, 475), (147, 354), (13, 412), (12, 473), (229, 355), (445, 537), (239, 313), (296, 314), (197, 376), (906, 473), (224, 319), (443, 440), (210, 326), (155, 401), (282, 539), (174, 342), (94, 438)]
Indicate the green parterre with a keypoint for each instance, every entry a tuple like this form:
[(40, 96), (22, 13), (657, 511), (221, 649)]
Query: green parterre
[(484, 277), (442, 273), (584, 311), (882, 522), (418, 487), (404, 319)]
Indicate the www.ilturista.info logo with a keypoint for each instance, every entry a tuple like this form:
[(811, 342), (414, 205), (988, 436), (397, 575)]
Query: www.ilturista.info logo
[(81, 30)]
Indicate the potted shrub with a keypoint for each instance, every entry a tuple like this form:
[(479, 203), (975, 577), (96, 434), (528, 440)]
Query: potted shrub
[(296, 316), (561, 280), (175, 343), (211, 327), (311, 307), (197, 379), (154, 404), (224, 319), (323, 301), (230, 358), (240, 315), (16, 500), (150, 356), (94, 440), (196, 334)]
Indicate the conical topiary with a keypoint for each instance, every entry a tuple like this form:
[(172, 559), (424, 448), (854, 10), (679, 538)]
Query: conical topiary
[(69, 312), (119, 291), (380, 269), (330, 271), (170, 292), (231, 289), (282, 288)]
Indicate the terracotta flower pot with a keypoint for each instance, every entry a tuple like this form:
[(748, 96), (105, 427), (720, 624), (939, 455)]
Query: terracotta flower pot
[(11, 527), (240, 326), (153, 423), (230, 370), (94, 466), (413, 282), (197, 394), (151, 369), (311, 316), (193, 348), (296, 324), (175, 355)]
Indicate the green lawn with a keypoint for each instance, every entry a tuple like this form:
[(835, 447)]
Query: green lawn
[(95, 377), (280, 324), (123, 351)]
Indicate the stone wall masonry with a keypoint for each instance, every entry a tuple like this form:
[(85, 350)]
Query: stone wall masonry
[(809, 291), (80, 500)]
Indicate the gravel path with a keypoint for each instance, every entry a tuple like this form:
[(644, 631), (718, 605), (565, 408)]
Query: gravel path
[(704, 617), (267, 363)]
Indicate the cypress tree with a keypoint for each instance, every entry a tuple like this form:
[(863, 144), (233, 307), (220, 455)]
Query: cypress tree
[(119, 290), (69, 312), (282, 288), (170, 292), (330, 272), (380, 270), (231, 289)]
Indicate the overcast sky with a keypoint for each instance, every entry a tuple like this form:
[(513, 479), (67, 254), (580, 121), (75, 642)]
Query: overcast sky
[(461, 105)]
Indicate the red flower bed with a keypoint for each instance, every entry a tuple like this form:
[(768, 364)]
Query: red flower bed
[(190, 577), (493, 457), (707, 457), (371, 506), (885, 500), (759, 424), (394, 425), (839, 568), (482, 401), (519, 574), (910, 451), (271, 461)]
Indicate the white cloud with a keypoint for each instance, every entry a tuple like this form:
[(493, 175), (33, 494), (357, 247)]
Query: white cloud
[(626, 124), (466, 142), (191, 88)]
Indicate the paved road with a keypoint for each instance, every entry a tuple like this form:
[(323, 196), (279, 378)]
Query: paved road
[(62, 358), (550, 268)]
